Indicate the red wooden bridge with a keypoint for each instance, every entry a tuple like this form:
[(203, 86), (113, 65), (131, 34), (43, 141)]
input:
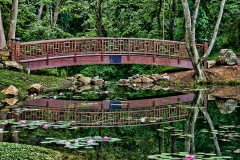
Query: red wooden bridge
[(108, 114), (84, 51)]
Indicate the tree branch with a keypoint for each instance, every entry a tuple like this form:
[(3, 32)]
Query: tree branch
[(205, 56), (204, 111), (194, 19)]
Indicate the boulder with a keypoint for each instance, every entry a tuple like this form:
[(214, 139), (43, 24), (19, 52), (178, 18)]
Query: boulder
[(35, 88), (146, 79), (10, 101), (97, 81), (124, 81), (226, 106), (227, 57), (137, 80), (157, 77), (85, 80), (1, 65), (211, 63), (11, 90), (13, 65), (83, 88)]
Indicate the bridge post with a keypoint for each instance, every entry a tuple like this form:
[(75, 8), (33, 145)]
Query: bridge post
[(129, 47), (17, 51), (13, 48), (205, 48), (154, 51), (75, 51), (102, 49)]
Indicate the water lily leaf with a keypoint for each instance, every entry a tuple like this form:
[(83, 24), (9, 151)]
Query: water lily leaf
[(45, 142), (50, 138), (89, 147)]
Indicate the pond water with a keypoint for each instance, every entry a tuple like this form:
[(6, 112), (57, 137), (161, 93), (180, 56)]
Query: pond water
[(121, 122)]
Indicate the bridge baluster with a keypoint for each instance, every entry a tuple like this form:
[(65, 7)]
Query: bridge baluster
[(13, 49)]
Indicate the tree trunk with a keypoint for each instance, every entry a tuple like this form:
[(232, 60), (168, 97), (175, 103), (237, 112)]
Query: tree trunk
[(190, 40), (56, 11), (13, 23), (101, 32), (40, 9), (204, 111), (189, 130), (3, 44), (173, 15), (158, 18)]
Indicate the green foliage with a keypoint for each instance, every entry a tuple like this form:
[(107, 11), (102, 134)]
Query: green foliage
[(57, 72), (11, 151), (22, 80)]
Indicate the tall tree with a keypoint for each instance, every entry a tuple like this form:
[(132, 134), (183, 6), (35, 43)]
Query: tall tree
[(190, 37), (3, 43), (13, 23), (56, 11), (12, 27), (173, 16)]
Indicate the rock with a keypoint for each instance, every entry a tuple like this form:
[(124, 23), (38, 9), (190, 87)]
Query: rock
[(226, 106), (85, 80), (211, 63), (124, 81), (227, 57), (165, 78), (1, 66), (83, 88), (146, 86), (137, 80), (157, 77), (10, 101), (35, 88), (97, 81), (13, 65), (11, 90), (145, 79), (78, 83)]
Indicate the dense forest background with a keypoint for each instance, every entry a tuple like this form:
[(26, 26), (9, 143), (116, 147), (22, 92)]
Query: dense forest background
[(158, 19)]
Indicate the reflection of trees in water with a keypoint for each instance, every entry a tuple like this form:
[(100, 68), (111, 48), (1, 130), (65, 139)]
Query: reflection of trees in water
[(198, 104)]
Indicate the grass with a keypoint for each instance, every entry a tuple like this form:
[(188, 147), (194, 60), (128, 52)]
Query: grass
[(22, 81), (9, 151)]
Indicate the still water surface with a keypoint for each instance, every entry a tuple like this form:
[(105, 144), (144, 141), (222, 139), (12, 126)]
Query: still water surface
[(135, 123)]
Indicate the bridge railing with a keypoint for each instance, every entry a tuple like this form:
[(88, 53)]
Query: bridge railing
[(107, 117), (103, 46)]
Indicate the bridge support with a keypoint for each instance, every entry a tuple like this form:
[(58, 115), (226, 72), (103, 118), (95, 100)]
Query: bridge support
[(15, 49)]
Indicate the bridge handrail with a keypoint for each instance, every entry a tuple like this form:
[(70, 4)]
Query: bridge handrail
[(100, 45), (98, 38)]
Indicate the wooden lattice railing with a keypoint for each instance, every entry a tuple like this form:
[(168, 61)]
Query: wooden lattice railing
[(84, 117), (100, 46)]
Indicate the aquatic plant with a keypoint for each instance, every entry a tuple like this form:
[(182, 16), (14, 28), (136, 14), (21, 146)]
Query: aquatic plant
[(85, 142)]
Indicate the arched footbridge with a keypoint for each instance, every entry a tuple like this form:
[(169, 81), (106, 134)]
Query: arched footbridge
[(85, 51)]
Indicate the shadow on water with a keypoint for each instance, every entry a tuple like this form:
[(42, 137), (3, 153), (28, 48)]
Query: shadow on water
[(139, 124)]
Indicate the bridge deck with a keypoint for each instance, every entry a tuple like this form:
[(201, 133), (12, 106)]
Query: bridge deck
[(83, 51)]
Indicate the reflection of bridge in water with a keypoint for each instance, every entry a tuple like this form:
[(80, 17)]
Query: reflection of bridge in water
[(108, 113)]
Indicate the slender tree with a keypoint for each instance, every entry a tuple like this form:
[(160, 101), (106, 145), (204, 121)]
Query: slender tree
[(12, 27), (3, 44), (190, 37), (13, 23), (173, 16), (56, 11)]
